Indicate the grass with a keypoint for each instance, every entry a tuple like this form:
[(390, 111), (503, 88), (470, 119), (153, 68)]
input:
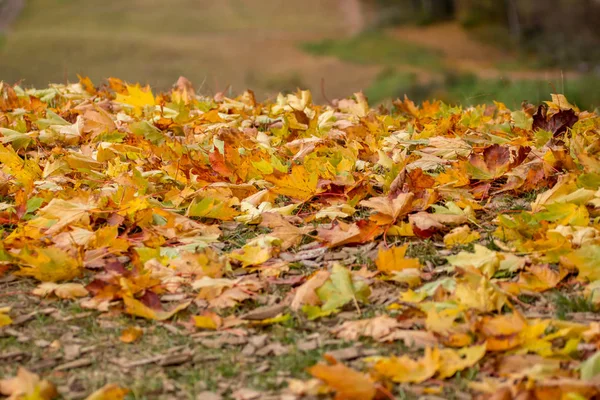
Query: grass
[(376, 48), (467, 89), (566, 304), (214, 44)]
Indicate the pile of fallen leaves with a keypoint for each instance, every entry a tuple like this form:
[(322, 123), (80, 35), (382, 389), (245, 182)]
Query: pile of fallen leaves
[(117, 198)]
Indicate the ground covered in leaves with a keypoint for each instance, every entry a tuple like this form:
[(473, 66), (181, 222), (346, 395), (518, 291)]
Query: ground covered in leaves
[(179, 246)]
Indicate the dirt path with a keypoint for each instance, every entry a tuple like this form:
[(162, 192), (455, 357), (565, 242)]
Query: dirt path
[(9, 11), (464, 53)]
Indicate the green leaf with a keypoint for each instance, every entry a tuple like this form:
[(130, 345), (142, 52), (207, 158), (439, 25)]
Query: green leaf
[(18, 140), (314, 312), (148, 131), (587, 261), (522, 120), (590, 367), (340, 289)]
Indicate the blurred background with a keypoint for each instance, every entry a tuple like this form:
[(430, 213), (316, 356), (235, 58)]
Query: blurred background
[(460, 51)]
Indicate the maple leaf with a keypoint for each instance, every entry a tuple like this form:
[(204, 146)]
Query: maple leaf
[(26, 172), (63, 290), (389, 209), (208, 320), (586, 260), (348, 383), (557, 124), (452, 361), (139, 309), (63, 212), (393, 259), (4, 317), (131, 334), (299, 184), (405, 369), (341, 289), (49, 264), (493, 163), (212, 208), (223, 293), (256, 251), (476, 291), (289, 234), (27, 385), (460, 236), (306, 293), (383, 329), (137, 97), (109, 391), (487, 261), (340, 233)]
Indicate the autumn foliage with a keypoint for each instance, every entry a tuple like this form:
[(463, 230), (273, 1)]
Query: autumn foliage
[(114, 197)]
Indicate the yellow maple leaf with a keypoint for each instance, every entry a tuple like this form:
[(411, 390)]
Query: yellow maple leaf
[(405, 369), (25, 172), (460, 235), (131, 334), (110, 391), (474, 290), (393, 259), (389, 209), (348, 383), (208, 320), (137, 97), (453, 361), (256, 252), (299, 184), (49, 264), (139, 309), (4, 317)]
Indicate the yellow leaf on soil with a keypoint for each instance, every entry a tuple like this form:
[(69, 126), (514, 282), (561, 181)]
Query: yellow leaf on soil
[(392, 259), (348, 383), (299, 184), (49, 264), (404, 369), (131, 334), (460, 236), (4, 318), (139, 309), (108, 392), (453, 361)]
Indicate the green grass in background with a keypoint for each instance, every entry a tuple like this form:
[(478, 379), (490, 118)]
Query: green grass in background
[(376, 48), (468, 89)]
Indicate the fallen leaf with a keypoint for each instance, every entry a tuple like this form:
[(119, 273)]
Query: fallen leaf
[(131, 334), (393, 259), (347, 383), (139, 309), (405, 369), (27, 385), (61, 290)]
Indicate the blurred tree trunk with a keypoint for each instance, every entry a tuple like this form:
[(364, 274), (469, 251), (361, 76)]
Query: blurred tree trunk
[(514, 22)]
